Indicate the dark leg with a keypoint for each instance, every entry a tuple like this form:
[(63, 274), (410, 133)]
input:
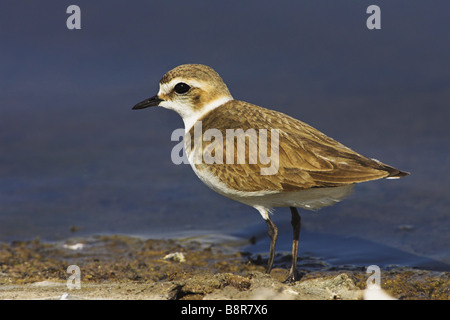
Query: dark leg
[(273, 234), (296, 225)]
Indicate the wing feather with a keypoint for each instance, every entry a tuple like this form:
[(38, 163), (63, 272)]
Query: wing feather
[(307, 157)]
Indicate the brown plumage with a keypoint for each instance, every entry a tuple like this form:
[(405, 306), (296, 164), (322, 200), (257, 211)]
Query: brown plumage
[(307, 157), (313, 170)]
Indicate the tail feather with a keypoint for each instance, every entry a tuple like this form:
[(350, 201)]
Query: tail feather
[(395, 173)]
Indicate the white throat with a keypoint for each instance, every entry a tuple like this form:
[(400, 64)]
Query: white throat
[(190, 116)]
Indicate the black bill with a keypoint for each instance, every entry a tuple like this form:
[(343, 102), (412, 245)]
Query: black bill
[(151, 102)]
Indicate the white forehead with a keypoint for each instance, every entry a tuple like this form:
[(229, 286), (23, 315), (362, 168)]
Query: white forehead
[(165, 88)]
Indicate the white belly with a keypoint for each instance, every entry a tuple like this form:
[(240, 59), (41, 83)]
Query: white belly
[(310, 199)]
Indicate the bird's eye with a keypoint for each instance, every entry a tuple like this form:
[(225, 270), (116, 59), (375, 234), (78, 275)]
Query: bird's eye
[(181, 88)]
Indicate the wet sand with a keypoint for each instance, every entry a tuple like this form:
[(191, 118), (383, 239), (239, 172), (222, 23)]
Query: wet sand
[(124, 267)]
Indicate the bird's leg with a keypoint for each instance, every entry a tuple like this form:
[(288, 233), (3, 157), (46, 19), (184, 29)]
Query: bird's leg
[(296, 225), (273, 234)]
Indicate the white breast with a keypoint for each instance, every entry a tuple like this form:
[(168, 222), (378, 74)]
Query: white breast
[(310, 199)]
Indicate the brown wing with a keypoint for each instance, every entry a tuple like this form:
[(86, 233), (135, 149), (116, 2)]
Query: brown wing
[(307, 157)]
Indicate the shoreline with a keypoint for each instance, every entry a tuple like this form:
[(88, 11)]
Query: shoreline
[(124, 267)]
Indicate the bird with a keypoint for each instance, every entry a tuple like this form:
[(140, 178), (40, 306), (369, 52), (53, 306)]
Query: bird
[(310, 169)]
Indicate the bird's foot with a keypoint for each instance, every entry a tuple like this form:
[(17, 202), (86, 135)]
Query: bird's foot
[(292, 277)]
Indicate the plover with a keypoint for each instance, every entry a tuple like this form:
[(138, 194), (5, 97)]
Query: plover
[(313, 170)]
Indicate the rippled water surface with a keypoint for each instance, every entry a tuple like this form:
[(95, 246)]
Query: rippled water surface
[(75, 160)]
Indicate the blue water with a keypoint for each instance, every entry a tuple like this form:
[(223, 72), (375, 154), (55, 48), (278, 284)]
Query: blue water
[(73, 156)]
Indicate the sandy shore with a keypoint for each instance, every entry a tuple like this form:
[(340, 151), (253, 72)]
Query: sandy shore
[(123, 267)]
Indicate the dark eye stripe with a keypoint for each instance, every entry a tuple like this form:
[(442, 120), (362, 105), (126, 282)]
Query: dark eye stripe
[(181, 88)]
